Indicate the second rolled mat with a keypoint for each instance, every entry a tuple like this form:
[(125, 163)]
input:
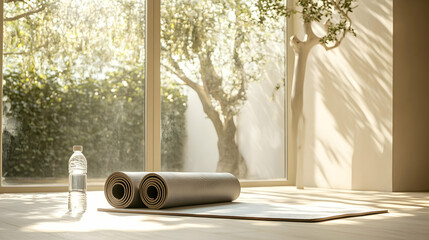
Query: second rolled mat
[(173, 189), (169, 189), (122, 189)]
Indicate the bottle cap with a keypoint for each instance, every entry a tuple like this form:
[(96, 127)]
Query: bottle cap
[(77, 148)]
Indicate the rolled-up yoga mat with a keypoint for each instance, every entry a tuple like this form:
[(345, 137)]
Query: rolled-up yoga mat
[(122, 189), (173, 189)]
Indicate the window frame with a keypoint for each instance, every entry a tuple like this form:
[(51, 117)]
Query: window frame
[(153, 109)]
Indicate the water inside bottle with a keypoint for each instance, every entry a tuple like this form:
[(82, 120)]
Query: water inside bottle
[(77, 182)]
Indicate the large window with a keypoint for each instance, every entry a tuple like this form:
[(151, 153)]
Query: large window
[(73, 74), (226, 72), (87, 72)]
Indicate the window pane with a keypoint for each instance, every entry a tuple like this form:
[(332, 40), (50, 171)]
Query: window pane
[(73, 74), (222, 89)]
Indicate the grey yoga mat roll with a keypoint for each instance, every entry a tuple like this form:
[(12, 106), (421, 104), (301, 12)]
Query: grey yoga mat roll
[(173, 189), (169, 189)]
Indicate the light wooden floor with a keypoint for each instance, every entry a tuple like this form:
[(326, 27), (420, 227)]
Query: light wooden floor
[(43, 216)]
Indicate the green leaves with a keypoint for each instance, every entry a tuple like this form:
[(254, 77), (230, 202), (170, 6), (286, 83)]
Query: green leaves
[(273, 9), (44, 119), (334, 14), (217, 45)]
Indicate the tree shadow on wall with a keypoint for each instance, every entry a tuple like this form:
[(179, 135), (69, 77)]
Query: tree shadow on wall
[(354, 83)]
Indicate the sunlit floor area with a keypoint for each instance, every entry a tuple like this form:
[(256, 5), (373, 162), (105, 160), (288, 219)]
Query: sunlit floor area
[(44, 216)]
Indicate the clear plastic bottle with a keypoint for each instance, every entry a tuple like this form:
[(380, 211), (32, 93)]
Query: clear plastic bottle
[(77, 181)]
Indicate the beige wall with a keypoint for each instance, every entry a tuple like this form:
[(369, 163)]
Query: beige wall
[(411, 95), (367, 102), (348, 106)]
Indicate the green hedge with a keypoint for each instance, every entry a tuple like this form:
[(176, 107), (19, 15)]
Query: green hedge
[(43, 117)]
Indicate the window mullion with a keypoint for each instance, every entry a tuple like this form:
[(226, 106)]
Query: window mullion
[(1, 93), (153, 87)]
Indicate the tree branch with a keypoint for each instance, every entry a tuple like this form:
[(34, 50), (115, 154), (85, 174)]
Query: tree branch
[(202, 94), (346, 29), (24, 14), (9, 1), (212, 82), (239, 66), (180, 74), (295, 43), (14, 53), (309, 32), (337, 42)]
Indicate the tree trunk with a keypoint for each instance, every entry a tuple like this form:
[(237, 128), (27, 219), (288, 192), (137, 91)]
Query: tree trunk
[(297, 102), (230, 158)]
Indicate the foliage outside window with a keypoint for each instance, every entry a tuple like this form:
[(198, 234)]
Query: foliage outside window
[(73, 73), (217, 49)]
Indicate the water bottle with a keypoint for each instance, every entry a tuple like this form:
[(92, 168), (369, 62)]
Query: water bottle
[(77, 181)]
